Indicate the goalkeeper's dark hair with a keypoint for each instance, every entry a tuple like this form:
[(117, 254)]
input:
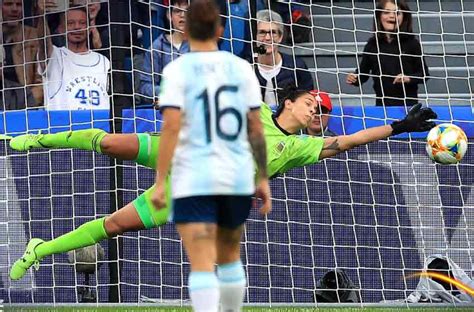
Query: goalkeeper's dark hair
[(202, 19), (289, 92)]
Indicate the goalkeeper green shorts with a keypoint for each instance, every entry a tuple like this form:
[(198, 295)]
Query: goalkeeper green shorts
[(148, 144), (147, 154)]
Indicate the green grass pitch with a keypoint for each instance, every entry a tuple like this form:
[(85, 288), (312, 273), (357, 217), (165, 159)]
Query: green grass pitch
[(246, 309)]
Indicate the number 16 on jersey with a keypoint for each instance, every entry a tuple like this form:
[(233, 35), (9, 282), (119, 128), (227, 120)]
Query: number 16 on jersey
[(219, 114)]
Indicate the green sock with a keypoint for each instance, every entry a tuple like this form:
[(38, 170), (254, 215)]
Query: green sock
[(88, 234), (88, 139)]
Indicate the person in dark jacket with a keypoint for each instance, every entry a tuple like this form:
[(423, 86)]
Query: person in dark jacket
[(276, 70), (20, 82), (393, 57), (166, 48)]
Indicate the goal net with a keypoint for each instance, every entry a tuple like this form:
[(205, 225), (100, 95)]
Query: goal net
[(377, 212)]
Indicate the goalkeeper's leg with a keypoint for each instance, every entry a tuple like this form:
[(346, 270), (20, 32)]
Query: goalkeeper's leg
[(90, 233), (138, 215), (139, 147)]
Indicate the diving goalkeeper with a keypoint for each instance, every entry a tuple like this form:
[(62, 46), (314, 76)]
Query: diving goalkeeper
[(286, 149)]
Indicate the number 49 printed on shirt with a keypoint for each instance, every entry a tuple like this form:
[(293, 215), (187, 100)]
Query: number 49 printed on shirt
[(93, 97)]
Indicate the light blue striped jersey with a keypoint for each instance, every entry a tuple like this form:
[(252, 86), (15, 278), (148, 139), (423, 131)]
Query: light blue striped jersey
[(214, 91)]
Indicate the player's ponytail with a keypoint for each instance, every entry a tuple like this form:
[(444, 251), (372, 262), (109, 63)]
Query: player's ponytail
[(289, 92), (202, 19)]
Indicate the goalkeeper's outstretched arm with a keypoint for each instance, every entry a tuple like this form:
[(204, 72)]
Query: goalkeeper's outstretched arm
[(417, 120), (335, 145)]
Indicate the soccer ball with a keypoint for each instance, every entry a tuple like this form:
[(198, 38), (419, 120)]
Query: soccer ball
[(446, 144)]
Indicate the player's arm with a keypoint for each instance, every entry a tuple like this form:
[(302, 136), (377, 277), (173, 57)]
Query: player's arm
[(417, 120), (46, 46), (256, 137), (169, 139), (257, 141), (173, 91), (335, 145)]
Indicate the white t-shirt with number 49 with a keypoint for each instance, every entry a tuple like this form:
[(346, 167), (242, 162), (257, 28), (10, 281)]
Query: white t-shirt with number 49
[(74, 81)]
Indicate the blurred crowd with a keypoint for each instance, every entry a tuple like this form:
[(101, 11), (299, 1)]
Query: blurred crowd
[(55, 55), (99, 54)]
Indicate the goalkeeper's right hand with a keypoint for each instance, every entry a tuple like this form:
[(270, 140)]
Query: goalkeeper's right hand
[(417, 120)]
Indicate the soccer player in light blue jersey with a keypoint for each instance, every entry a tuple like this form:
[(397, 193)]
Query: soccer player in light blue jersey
[(210, 101)]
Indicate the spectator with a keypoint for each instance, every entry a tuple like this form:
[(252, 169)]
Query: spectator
[(393, 57), (19, 78), (274, 69), (319, 125), (74, 77), (166, 48), (98, 27)]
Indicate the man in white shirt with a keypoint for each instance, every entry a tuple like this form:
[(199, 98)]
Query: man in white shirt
[(74, 77)]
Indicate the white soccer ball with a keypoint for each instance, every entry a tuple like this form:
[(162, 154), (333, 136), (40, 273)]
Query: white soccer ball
[(446, 144)]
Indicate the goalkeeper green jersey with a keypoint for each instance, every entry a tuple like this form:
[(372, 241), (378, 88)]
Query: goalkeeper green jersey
[(286, 151)]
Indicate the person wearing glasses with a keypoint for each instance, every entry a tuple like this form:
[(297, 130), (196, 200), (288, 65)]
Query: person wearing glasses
[(166, 48), (275, 69)]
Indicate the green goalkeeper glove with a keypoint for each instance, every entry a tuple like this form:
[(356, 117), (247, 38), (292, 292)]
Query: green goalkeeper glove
[(417, 120)]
